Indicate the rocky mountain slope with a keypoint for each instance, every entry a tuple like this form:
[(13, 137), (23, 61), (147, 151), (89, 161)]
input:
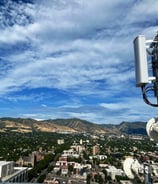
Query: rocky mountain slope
[(69, 125)]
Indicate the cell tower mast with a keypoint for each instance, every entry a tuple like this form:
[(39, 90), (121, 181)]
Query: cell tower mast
[(147, 51)]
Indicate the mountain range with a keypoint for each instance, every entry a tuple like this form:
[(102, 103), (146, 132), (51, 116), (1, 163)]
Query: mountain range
[(73, 125)]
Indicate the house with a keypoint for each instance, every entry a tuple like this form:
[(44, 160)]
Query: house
[(64, 169), (113, 171), (70, 153), (25, 161)]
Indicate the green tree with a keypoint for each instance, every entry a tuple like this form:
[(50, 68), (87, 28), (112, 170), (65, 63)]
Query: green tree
[(70, 168), (41, 178), (99, 179), (88, 179)]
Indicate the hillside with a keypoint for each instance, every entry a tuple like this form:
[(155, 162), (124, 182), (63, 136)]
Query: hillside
[(79, 125), (30, 125), (133, 128), (70, 125)]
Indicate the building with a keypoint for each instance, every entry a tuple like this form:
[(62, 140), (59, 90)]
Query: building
[(64, 170), (38, 156), (100, 157), (78, 148), (27, 161), (126, 182), (9, 173), (31, 160), (81, 141), (6, 168), (60, 141), (113, 171), (70, 153), (51, 180), (62, 161), (96, 150)]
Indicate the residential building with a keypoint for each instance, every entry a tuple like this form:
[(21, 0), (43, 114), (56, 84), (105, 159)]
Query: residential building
[(100, 157), (70, 153), (62, 161), (64, 169), (9, 173), (60, 141), (113, 171), (78, 148), (26, 161), (96, 150)]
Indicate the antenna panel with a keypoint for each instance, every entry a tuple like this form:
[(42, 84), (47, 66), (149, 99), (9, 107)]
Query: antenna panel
[(141, 68)]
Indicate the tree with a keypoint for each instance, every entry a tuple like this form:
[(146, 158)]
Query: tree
[(99, 179), (88, 179), (41, 178), (70, 168)]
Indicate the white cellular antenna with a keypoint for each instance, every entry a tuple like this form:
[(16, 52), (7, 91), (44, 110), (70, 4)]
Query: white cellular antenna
[(141, 68), (143, 50), (149, 84)]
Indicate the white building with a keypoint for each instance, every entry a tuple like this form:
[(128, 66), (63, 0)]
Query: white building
[(155, 169), (126, 182), (60, 141), (100, 157), (70, 153), (78, 148), (64, 170), (6, 168), (9, 173), (113, 171), (62, 161), (103, 165), (81, 141)]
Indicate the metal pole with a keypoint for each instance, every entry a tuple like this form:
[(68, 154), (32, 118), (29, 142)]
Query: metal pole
[(147, 174), (154, 45)]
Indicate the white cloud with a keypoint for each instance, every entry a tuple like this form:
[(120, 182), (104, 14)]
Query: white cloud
[(82, 47)]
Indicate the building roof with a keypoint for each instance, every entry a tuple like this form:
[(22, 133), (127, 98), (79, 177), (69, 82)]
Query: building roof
[(4, 163)]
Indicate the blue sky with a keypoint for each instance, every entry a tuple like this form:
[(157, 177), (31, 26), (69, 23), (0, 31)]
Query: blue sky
[(73, 58)]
